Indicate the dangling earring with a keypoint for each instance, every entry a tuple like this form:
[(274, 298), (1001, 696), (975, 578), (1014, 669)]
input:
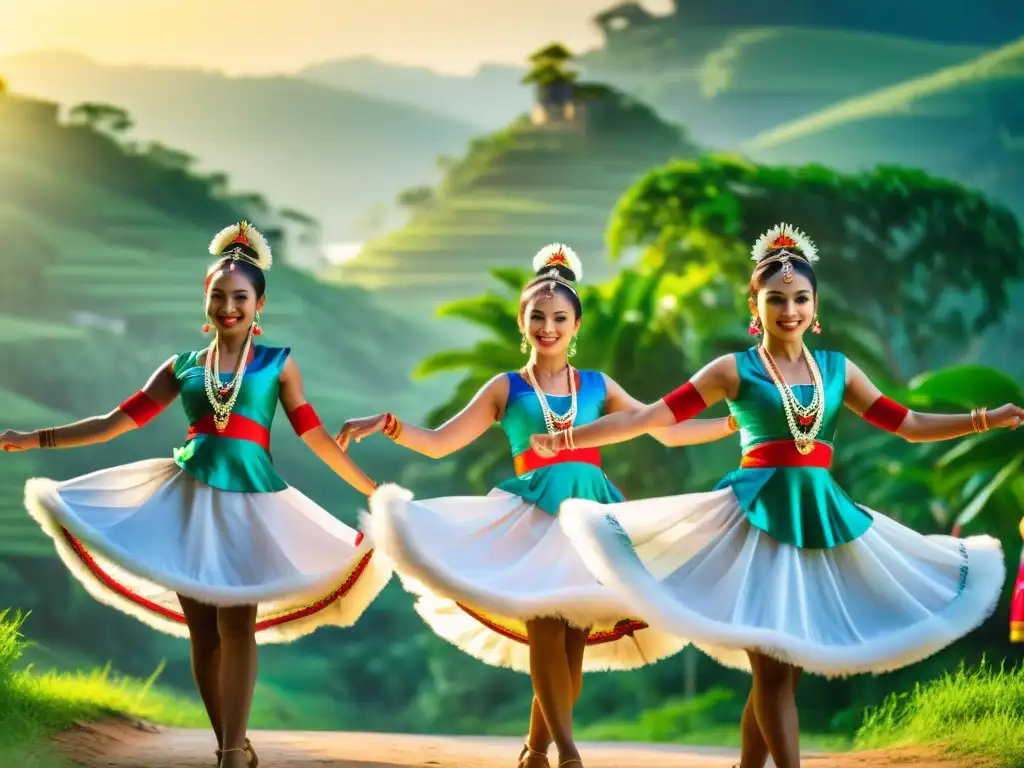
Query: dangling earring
[(523, 346), (817, 326), (206, 328), (256, 330), (755, 326), (572, 347)]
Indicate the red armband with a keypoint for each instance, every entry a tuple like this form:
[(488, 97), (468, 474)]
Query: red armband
[(685, 402), (303, 419), (140, 408), (886, 414)]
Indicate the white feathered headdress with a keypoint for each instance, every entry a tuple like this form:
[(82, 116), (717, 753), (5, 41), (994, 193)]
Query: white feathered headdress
[(782, 243), (781, 238), (243, 241), (558, 254)]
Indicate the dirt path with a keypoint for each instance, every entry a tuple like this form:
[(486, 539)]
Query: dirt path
[(138, 745)]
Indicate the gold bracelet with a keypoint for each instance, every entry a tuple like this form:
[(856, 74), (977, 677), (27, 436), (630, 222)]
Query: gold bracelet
[(974, 420), (983, 419), (392, 426), (732, 423)]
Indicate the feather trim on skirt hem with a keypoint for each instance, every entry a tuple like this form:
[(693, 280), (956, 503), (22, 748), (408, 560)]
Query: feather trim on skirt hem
[(483, 566), (694, 566), (138, 535)]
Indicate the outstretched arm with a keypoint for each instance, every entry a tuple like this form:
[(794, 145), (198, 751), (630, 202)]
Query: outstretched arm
[(456, 433), (866, 400), (693, 432), (307, 425), (136, 411), (710, 384)]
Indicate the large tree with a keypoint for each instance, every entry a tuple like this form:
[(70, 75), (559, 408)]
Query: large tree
[(104, 118), (921, 260)]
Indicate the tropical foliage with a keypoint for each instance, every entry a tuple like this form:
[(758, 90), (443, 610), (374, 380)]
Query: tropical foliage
[(980, 474), (917, 260)]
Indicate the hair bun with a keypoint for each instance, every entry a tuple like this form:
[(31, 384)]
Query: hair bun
[(559, 258)]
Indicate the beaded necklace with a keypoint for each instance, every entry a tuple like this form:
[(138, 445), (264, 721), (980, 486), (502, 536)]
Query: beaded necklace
[(554, 422), (222, 397), (804, 421)]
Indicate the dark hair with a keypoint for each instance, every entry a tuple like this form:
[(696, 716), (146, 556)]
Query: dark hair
[(561, 283), (252, 273), (765, 271)]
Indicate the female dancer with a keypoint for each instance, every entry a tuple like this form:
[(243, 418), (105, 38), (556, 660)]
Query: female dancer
[(213, 545), (495, 575), (777, 570)]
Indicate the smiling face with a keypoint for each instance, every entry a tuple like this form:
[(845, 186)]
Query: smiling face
[(549, 323), (786, 309), (231, 303)]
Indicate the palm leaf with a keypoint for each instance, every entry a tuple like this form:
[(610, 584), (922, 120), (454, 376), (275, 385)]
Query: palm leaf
[(966, 386), (981, 499), (490, 311), (512, 278), (484, 355)]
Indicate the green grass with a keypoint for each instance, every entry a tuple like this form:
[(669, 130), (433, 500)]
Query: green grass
[(977, 712), (34, 706), (710, 719)]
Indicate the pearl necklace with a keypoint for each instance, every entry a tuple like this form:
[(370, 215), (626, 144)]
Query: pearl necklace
[(215, 391), (555, 423), (804, 423)]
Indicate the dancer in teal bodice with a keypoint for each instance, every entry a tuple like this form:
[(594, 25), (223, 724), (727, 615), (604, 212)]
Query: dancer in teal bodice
[(494, 574), (777, 570), (213, 544), (799, 505)]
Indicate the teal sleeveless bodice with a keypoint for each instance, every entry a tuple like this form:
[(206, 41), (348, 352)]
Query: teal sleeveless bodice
[(549, 486), (233, 463), (802, 506)]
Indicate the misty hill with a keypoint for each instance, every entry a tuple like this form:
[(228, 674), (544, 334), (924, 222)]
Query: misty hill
[(964, 122), (321, 150), (727, 84), (489, 98), (512, 193), (103, 253), (976, 22)]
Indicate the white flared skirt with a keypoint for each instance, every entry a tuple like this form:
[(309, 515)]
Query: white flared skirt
[(138, 535), (482, 566), (693, 565)]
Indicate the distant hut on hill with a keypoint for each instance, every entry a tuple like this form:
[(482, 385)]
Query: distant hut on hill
[(560, 101)]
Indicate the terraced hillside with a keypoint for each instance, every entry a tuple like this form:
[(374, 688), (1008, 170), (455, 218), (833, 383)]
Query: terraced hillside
[(728, 84), (964, 122), (103, 257), (514, 192)]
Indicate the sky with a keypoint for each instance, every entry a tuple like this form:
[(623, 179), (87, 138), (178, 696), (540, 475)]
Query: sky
[(264, 36)]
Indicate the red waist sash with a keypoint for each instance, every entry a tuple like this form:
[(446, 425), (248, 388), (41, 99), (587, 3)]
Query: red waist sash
[(783, 453), (239, 427), (528, 460)]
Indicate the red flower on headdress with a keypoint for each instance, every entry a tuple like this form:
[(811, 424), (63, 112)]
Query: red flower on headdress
[(558, 258), (782, 242)]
